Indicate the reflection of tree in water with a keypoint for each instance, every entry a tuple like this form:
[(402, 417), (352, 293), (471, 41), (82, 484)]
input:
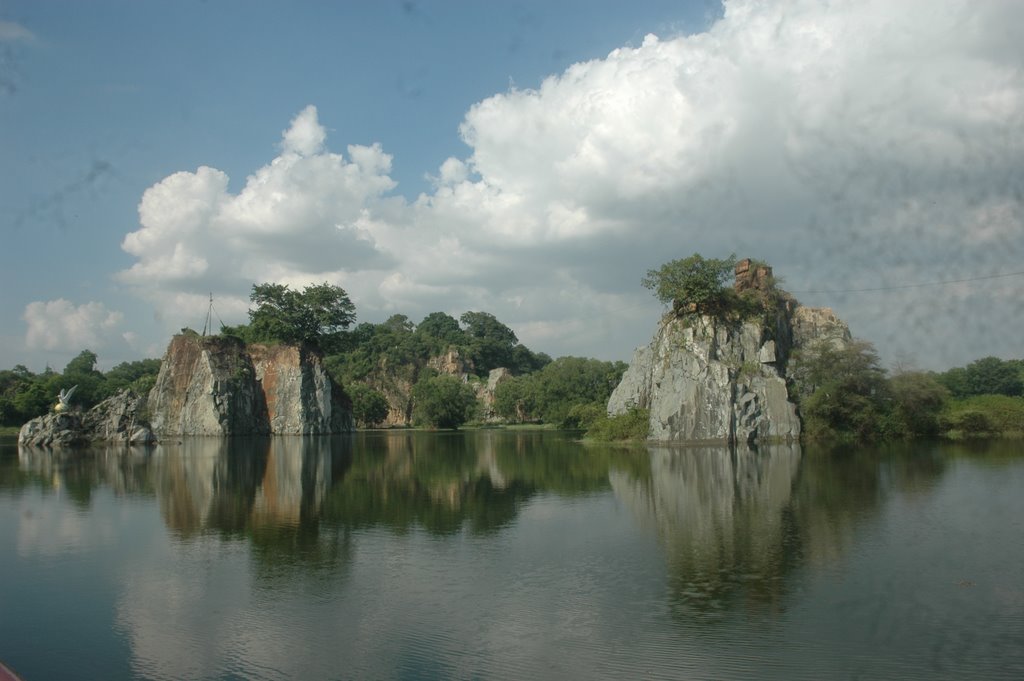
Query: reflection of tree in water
[(839, 489), (445, 482), (437, 481), (562, 466)]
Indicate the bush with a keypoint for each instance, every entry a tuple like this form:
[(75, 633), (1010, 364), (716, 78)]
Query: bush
[(369, 407), (633, 425), (842, 391), (985, 414), (972, 423), (918, 399), (443, 402), (583, 416)]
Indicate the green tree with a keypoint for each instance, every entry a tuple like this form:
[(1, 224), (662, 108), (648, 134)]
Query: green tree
[(317, 314), (488, 341), (918, 400), (562, 386), (369, 407), (525, 361), (80, 371), (23, 396), (139, 376), (516, 399), (955, 381), (440, 330), (993, 376), (443, 402), (843, 391), (695, 283), (33, 399)]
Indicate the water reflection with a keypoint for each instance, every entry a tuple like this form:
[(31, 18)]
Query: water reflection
[(440, 482), (722, 516), (232, 486), (388, 552)]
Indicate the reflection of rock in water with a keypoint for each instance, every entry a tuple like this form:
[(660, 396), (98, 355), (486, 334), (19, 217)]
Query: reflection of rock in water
[(235, 484), (298, 475), (124, 469), (185, 477), (721, 516)]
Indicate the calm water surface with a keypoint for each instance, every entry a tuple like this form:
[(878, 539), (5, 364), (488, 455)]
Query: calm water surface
[(511, 555)]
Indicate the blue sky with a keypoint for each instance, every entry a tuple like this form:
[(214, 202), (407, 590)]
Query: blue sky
[(530, 159)]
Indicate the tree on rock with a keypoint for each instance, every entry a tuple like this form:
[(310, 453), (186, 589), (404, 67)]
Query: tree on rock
[(314, 315), (694, 284), (443, 402)]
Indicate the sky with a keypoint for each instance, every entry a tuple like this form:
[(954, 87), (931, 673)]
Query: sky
[(528, 159)]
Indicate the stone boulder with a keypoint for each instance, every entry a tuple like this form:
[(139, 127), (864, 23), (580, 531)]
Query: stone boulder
[(119, 418), (53, 430), (206, 386)]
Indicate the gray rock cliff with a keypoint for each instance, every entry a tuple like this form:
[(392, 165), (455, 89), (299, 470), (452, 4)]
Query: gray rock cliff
[(707, 380), (219, 386)]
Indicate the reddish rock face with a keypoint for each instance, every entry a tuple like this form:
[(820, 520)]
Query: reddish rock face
[(218, 386), (751, 277)]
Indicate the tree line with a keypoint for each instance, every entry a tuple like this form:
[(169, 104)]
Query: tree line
[(25, 395), (374, 361), (842, 392)]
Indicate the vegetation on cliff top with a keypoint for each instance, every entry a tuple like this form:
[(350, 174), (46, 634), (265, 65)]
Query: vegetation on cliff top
[(842, 391), (317, 314), (695, 284)]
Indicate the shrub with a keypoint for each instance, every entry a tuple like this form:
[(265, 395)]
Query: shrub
[(985, 414), (584, 415), (369, 407), (443, 402), (633, 425)]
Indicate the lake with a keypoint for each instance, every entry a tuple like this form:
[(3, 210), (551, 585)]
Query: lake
[(511, 555)]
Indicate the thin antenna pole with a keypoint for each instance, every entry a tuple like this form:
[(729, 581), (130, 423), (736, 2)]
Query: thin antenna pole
[(209, 316)]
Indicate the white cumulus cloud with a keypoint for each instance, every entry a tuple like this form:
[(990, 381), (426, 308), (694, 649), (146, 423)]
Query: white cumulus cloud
[(11, 32), (62, 325), (847, 141)]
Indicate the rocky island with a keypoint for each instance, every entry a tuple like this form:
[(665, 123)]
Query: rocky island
[(712, 378), (214, 385)]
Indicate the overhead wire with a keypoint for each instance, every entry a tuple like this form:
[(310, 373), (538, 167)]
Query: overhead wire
[(906, 286)]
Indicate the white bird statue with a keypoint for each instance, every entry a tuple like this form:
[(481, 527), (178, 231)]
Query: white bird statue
[(64, 397)]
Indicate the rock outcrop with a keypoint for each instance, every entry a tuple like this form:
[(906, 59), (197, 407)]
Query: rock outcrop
[(119, 418), (485, 393), (395, 382), (297, 393), (219, 386), (708, 380)]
